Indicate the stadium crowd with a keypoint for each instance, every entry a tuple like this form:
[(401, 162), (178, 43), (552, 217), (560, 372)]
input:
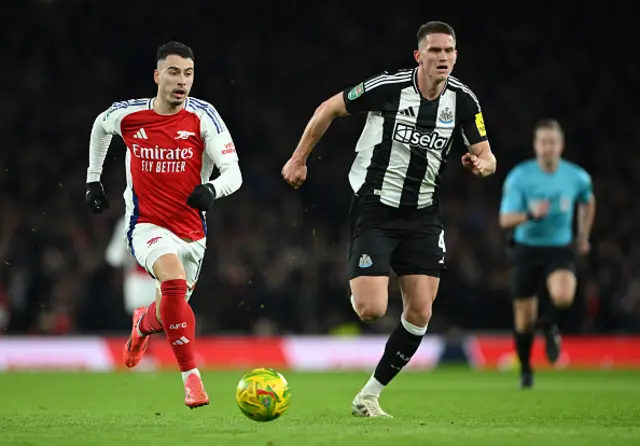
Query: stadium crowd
[(276, 260)]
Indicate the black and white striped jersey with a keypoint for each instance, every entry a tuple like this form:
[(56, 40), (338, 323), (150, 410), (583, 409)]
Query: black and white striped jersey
[(402, 151)]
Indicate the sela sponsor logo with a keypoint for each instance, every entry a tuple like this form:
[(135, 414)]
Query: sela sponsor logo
[(407, 134), (162, 159), (229, 148)]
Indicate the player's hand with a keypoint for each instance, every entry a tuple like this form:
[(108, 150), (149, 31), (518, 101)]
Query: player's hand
[(96, 197), (202, 197), (476, 165), (295, 172), (583, 246)]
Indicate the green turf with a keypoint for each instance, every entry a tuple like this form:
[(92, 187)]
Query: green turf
[(446, 407)]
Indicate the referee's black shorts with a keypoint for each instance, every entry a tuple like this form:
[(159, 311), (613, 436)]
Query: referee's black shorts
[(407, 240), (533, 264)]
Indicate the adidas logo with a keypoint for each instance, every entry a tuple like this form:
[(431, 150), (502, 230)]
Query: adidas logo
[(407, 112), (140, 134), (181, 341)]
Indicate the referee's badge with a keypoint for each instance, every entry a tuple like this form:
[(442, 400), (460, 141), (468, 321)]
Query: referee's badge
[(356, 91)]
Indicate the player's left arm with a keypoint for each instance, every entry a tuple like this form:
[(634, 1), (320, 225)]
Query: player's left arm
[(219, 146), (586, 207), (480, 159)]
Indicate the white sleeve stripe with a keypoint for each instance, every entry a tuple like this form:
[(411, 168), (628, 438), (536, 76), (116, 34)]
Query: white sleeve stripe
[(456, 83), (384, 77), (385, 80), (136, 103), (464, 137), (209, 110)]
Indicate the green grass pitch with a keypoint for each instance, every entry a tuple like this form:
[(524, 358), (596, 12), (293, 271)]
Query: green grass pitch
[(444, 407)]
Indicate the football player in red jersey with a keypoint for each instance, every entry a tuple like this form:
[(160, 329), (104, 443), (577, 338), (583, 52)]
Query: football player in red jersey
[(173, 143)]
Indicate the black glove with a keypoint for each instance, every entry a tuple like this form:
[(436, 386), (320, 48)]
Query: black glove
[(202, 197), (96, 197)]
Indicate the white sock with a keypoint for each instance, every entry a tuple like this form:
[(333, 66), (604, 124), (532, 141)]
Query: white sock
[(186, 374), (413, 329), (373, 387)]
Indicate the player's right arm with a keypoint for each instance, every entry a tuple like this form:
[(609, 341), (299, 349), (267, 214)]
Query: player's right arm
[(364, 97), (513, 207), (294, 171), (104, 127)]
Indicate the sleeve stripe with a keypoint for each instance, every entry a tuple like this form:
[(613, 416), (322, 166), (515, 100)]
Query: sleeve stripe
[(465, 140), (386, 75), (127, 104), (456, 83), (209, 110), (387, 79)]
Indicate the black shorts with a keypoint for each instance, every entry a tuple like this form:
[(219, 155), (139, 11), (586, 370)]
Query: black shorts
[(408, 240), (533, 264)]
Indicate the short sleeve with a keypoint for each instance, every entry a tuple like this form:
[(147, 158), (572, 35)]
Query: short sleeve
[(585, 187), (371, 94), (513, 197), (471, 118)]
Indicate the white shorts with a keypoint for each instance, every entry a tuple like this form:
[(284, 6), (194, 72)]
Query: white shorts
[(139, 290), (149, 242)]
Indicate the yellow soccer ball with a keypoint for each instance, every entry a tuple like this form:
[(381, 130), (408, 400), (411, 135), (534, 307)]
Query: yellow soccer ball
[(263, 394)]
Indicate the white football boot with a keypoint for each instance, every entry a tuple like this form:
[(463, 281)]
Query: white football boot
[(367, 406)]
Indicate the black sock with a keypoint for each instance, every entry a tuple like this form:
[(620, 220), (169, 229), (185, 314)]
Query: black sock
[(524, 342), (551, 317), (400, 347)]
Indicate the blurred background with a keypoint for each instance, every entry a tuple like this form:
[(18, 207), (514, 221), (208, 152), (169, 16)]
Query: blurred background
[(276, 258)]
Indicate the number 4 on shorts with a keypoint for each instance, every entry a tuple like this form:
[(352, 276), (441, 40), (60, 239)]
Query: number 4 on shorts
[(441, 245)]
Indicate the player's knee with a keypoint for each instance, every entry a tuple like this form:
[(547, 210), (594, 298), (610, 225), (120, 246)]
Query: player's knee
[(369, 310), (176, 274), (525, 325), (169, 267), (418, 315), (562, 288), (525, 316), (563, 297)]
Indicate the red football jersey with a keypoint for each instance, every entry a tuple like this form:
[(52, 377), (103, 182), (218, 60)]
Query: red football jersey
[(167, 157)]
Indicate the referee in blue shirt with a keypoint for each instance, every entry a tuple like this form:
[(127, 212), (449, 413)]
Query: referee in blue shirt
[(538, 202)]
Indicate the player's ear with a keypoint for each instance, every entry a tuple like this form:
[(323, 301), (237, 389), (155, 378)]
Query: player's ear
[(156, 76), (416, 56)]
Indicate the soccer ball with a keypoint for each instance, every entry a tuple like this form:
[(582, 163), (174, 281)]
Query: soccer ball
[(263, 394)]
